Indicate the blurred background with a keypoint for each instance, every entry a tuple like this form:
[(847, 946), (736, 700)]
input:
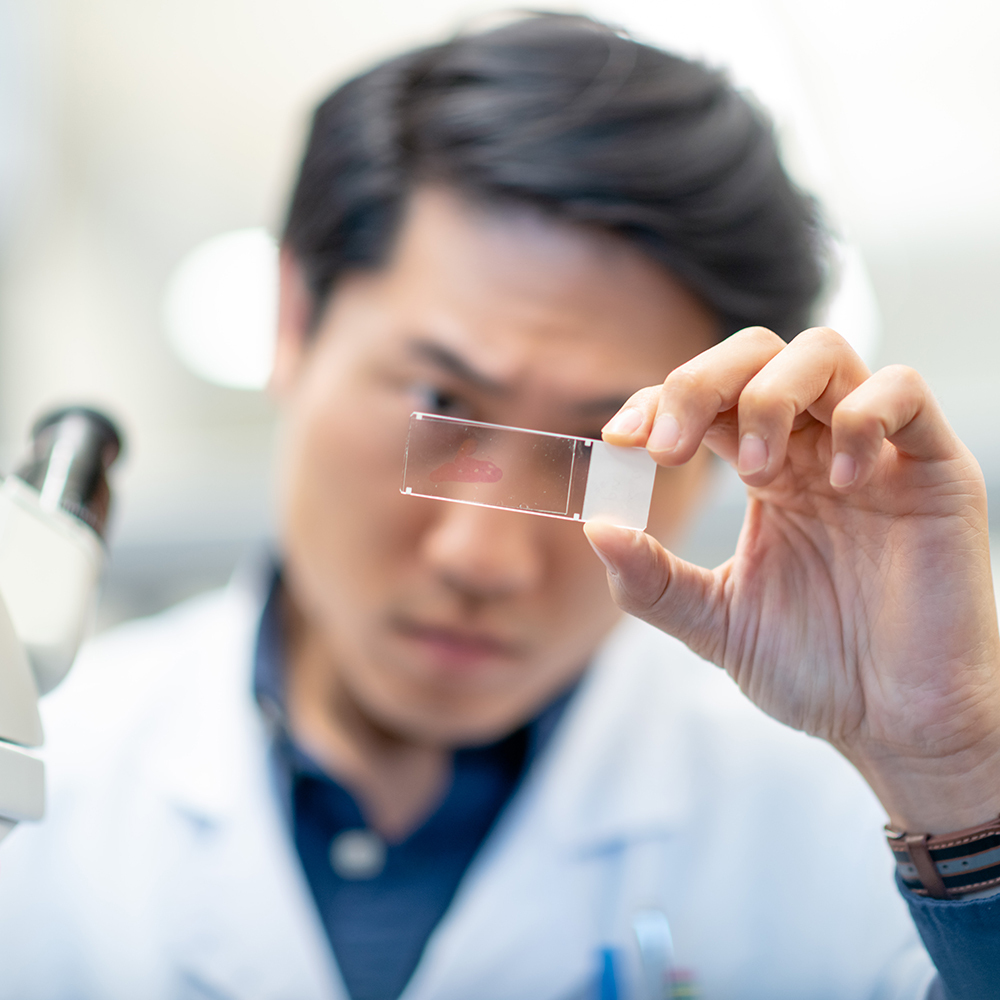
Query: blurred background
[(131, 133)]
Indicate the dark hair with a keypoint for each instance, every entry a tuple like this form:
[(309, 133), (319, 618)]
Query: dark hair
[(563, 113)]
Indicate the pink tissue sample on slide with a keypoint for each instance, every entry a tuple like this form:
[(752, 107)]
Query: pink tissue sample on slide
[(466, 469)]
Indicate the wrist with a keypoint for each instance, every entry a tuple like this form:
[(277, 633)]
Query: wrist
[(938, 795)]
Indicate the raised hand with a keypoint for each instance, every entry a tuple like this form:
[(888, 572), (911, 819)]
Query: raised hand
[(859, 604)]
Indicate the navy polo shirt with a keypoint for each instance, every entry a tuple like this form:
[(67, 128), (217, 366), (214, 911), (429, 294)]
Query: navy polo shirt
[(380, 902)]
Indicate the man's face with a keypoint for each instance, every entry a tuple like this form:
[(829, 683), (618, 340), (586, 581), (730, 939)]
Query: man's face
[(446, 623)]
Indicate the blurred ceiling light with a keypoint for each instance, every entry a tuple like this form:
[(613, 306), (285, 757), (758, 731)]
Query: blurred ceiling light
[(221, 307)]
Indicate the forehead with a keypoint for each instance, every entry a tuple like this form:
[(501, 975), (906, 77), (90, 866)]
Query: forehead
[(527, 299)]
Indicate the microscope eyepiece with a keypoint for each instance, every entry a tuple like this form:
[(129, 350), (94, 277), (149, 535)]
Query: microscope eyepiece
[(71, 452)]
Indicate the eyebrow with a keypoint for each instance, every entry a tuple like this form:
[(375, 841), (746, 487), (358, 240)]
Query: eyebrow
[(453, 363)]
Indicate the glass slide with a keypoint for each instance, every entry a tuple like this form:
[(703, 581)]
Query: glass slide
[(555, 475)]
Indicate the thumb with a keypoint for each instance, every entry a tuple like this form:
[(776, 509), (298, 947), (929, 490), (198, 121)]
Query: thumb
[(651, 583)]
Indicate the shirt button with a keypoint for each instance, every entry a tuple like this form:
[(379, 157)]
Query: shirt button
[(357, 854)]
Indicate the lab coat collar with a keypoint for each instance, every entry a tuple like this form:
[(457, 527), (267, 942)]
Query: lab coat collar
[(613, 773), (595, 784), (218, 737)]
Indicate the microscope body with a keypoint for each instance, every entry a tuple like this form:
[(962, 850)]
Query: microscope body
[(52, 515), (22, 774)]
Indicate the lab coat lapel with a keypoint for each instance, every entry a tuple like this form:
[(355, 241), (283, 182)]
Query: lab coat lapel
[(246, 924), (618, 770), (550, 882)]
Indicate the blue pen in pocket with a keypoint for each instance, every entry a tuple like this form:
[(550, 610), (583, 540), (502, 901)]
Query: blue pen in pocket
[(607, 983)]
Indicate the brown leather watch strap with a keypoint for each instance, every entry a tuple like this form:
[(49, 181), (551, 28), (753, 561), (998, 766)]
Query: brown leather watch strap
[(950, 865)]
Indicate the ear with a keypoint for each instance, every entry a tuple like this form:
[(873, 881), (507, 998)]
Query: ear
[(295, 306)]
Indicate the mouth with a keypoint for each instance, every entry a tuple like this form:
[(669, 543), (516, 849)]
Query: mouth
[(455, 648)]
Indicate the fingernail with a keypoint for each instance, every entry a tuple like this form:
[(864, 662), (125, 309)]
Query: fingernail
[(665, 434), (608, 564), (626, 422), (843, 470), (753, 455)]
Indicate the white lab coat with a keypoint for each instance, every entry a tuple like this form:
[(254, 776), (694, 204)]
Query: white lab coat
[(165, 868)]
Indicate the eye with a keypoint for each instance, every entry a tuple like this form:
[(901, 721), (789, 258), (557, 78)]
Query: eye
[(431, 399)]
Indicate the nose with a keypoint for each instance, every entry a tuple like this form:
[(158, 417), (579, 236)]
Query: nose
[(482, 552)]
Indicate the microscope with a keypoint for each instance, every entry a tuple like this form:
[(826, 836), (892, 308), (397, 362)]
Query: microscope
[(53, 511)]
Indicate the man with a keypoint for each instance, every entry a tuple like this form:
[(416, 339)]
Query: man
[(423, 756)]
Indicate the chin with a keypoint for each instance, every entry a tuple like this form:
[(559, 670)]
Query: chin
[(426, 717)]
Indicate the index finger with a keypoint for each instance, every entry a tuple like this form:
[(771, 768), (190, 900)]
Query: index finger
[(671, 420)]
